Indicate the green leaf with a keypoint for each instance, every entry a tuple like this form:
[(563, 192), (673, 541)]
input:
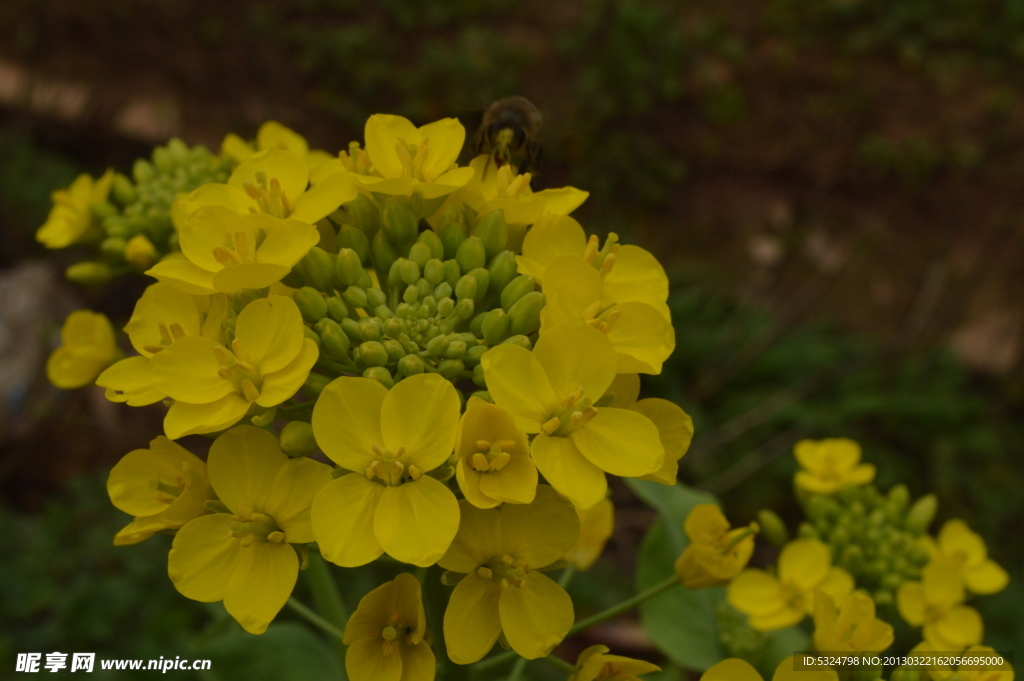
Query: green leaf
[(286, 652), (683, 623)]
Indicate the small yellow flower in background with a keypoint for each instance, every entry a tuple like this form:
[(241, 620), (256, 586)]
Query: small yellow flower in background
[(852, 627), (501, 551), (391, 439), (596, 526), (735, 669), (243, 557), (595, 664), (629, 273), (494, 464), (956, 541), (214, 387), (936, 602), (776, 602), (164, 487), (162, 315), (830, 465), (87, 348), (141, 252), (551, 391), (70, 219), (385, 635), (224, 251), (988, 672), (675, 427), (408, 159), (716, 553), (273, 135)]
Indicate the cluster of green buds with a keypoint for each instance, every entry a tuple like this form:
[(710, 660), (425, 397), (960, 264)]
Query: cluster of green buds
[(136, 219), (873, 536), (443, 299), (737, 637)]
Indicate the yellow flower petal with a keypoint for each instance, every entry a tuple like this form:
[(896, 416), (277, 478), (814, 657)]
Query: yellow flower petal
[(552, 237), (621, 442), (214, 194), (324, 198), (910, 602), (187, 370), (346, 421), (732, 669), (290, 501), (987, 578), (572, 474), (416, 521), (202, 558), (273, 135), (129, 482), (838, 584), (562, 200), (804, 563), (637, 275), (516, 483), (280, 385), (535, 617), (189, 419), (260, 585), (161, 304), (342, 517), (271, 331), (445, 139), (471, 621), (289, 170), (541, 532), (365, 661), (675, 428), (285, 241), (421, 415), (248, 275), (183, 275), (643, 338), (957, 629), (705, 523), (469, 482), (942, 583), (381, 133), (573, 356), (479, 539), (242, 466), (517, 382), (128, 381), (446, 184), (418, 662), (756, 592), (597, 524), (626, 389)]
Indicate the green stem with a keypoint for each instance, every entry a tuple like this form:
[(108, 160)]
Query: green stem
[(517, 669), (560, 663), (567, 574), (286, 412), (624, 606), (492, 662), (326, 596), (315, 619)]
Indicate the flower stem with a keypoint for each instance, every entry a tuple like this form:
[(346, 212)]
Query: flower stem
[(517, 669), (327, 597), (624, 606), (567, 574), (559, 662), (315, 619)]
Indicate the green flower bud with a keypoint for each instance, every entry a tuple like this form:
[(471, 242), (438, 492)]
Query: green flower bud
[(921, 514), (394, 349), (410, 365), (455, 350), (817, 506), (431, 240), (297, 439), (474, 353), (368, 331), (451, 368), (375, 297), (451, 212), (478, 376), (876, 518), (425, 290), (102, 210), (354, 297), (311, 335), (502, 270), (492, 230), (113, 246), (89, 273), (437, 345), (892, 581), (317, 269), (336, 309), (352, 329), (419, 254), (464, 308), (852, 557), (411, 295), (524, 315), (433, 272), (373, 354), (408, 270), (446, 306), (311, 304), (899, 497), (399, 222), (383, 253), (355, 239), (807, 531), (116, 225), (143, 171), (483, 281), (516, 289), (521, 341), (471, 254), (123, 190), (314, 385), (883, 598), (381, 375), (243, 297), (495, 326), (451, 238), (364, 215), (452, 274), (335, 342), (393, 328), (476, 326), (466, 287), (772, 527), (348, 267)]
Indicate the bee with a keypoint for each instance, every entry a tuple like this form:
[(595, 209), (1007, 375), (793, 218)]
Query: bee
[(508, 133)]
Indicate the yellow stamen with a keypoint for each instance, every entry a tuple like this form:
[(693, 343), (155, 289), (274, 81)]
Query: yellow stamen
[(590, 253), (276, 537), (250, 391), (550, 426)]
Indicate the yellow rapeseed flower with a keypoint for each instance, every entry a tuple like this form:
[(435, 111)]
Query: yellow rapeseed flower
[(213, 387), (936, 602), (716, 553), (391, 439), (830, 465), (596, 526), (501, 552), (141, 252), (675, 427), (273, 135), (981, 574), (408, 159), (385, 635), (735, 669), (243, 557), (852, 627), (777, 602), (551, 391), (494, 463), (71, 219), (629, 272), (87, 348), (164, 487), (162, 315), (595, 664)]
